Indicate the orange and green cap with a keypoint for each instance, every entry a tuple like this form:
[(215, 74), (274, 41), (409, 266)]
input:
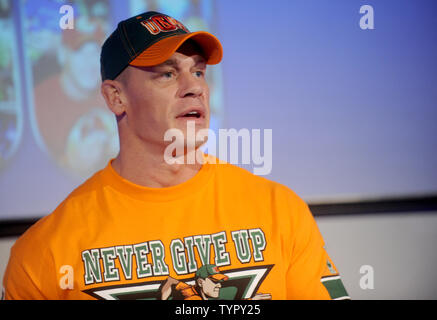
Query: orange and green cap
[(149, 39), (210, 271)]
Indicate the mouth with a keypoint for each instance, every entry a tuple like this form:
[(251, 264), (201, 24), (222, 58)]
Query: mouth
[(192, 114)]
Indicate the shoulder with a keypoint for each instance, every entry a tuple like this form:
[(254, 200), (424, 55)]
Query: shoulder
[(35, 255), (67, 217), (239, 178)]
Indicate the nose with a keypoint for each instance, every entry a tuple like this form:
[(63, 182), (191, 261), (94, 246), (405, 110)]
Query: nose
[(191, 86)]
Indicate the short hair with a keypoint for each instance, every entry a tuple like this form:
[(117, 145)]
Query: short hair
[(123, 77)]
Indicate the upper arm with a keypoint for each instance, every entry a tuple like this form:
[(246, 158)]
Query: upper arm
[(29, 274), (311, 273)]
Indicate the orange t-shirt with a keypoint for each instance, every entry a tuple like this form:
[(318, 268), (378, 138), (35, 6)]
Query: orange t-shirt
[(112, 239)]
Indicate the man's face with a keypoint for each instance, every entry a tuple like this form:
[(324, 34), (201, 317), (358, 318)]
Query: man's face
[(210, 287), (167, 96)]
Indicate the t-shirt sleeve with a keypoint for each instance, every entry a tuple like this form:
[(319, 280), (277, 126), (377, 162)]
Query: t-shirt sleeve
[(311, 273), (28, 275)]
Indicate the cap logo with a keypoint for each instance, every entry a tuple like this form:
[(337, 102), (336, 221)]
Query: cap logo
[(162, 23)]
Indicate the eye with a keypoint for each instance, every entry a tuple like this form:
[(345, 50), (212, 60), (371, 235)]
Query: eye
[(167, 75), (199, 73)]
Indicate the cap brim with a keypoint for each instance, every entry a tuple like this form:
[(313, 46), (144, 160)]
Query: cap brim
[(219, 277), (163, 49)]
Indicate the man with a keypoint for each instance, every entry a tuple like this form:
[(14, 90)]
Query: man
[(142, 221), (209, 283), (72, 122)]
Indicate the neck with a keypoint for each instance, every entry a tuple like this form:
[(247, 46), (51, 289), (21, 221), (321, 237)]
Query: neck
[(147, 167), (202, 294)]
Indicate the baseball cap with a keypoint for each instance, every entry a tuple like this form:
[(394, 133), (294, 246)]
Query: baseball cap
[(150, 39), (210, 271)]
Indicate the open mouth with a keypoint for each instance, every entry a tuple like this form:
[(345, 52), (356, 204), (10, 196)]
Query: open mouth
[(192, 114)]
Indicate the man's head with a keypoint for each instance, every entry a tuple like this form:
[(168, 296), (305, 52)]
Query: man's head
[(149, 39), (153, 72), (209, 279)]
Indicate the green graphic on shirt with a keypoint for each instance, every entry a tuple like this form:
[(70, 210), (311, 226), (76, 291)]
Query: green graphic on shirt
[(195, 260), (184, 256), (234, 284)]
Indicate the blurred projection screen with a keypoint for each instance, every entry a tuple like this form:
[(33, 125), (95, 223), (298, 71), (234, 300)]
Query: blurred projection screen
[(351, 99)]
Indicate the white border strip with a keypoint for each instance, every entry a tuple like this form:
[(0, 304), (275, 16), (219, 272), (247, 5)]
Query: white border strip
[(330, 278)]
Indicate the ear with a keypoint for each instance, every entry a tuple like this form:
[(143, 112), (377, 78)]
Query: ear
[(112, 92), (200, 282)]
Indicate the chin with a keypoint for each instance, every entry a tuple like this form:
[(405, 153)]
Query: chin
[(185, 140), (196, 137), (194, 144)]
